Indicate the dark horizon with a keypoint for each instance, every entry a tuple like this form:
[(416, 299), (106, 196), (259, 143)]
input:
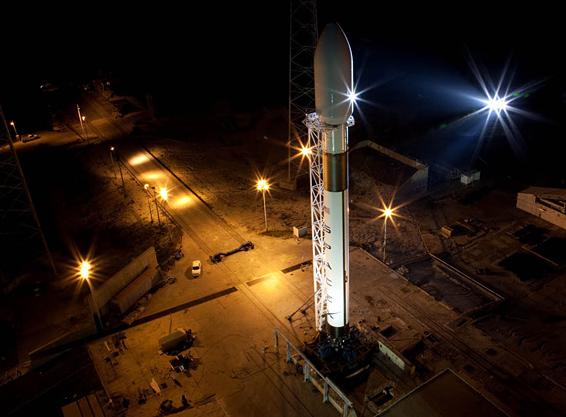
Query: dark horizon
[(416, 61)]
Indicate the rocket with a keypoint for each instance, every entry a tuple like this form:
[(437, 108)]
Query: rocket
[(333, 81)]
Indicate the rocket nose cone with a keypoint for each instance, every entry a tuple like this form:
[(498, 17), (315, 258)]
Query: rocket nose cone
[(333, 75)]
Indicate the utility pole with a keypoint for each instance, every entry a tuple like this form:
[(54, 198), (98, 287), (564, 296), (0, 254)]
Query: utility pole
[(19, 222), (303, 35)]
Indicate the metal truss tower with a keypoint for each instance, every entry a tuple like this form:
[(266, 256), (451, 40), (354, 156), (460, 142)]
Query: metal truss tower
[(315, 129), (20, 230), (303, 35)]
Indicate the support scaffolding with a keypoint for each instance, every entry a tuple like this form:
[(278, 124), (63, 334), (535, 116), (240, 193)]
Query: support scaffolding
[(20, 229), (303, 35), (315, 127)]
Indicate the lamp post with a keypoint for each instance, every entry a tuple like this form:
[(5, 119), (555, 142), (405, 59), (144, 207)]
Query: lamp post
[(263, 186), (164, 195), (146, 188), (118, 162), (13, 124), (85, 268), (81, 120), (387, 214), (85, 126), (112, 160), (156, 206)]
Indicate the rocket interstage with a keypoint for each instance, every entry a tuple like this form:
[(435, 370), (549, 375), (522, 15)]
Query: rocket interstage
[(333, 86)]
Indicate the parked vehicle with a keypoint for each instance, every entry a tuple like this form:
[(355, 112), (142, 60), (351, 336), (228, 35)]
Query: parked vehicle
[(217, 257), (196, 270), (30, 137)]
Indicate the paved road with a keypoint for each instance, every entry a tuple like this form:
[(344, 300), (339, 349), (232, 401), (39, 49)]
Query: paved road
[(193, 215)]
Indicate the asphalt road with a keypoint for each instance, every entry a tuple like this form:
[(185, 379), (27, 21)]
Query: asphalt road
[(192, 214)]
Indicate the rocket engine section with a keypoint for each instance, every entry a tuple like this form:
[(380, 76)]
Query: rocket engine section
[(333, 86)]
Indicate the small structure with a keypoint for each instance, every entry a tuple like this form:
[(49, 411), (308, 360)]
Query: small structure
[(176, 341), (446, 231), (547, 203), (469, 177), (300, 231)]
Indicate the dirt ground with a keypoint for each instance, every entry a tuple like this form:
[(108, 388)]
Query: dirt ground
[(224, 172), (224, 176), (88, 212)]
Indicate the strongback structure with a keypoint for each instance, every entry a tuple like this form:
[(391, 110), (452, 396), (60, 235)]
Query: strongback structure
[(328, 139), (20, 230), (303, 35)]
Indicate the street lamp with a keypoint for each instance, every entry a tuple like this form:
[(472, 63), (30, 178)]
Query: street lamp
[(156, 204), (13, 124), (118, 162), (85, 271), (146, 188), (387, 213), (263, 186), (112, 160), (81, 120), (85, 127)]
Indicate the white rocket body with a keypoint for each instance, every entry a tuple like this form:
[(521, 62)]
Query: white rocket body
[(333, 85)]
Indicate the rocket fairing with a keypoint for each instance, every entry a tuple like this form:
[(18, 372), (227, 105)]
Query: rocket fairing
[(333, 85)]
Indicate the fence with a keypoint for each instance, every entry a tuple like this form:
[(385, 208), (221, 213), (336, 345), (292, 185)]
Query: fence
[(330, 392)]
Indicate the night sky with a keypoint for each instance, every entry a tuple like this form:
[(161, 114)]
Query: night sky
[(192, 56)]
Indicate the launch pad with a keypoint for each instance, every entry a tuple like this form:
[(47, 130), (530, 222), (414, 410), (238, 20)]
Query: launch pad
[(344, 359)]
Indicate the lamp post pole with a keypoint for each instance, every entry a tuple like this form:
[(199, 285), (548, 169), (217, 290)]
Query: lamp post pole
[(384, 238), (388, 213), (85, 272), (81, 121), (13, 124), (156, 206), (263, 186), (146, 188), (112, 160), (85, 127), (264, 210)]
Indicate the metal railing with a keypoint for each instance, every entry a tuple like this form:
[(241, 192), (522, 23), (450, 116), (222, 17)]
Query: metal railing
[(330, 392)]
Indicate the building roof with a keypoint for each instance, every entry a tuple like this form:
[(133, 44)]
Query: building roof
[(444, 395), (545, 192)]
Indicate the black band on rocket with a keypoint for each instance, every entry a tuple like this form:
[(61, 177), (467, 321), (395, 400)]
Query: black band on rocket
[(335, 171)]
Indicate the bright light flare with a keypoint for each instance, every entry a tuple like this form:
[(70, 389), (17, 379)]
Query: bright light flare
[(353, 96), (262, 185), (164, 193), (496, 104), (84, 269), (387, 212), (305, 151)]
